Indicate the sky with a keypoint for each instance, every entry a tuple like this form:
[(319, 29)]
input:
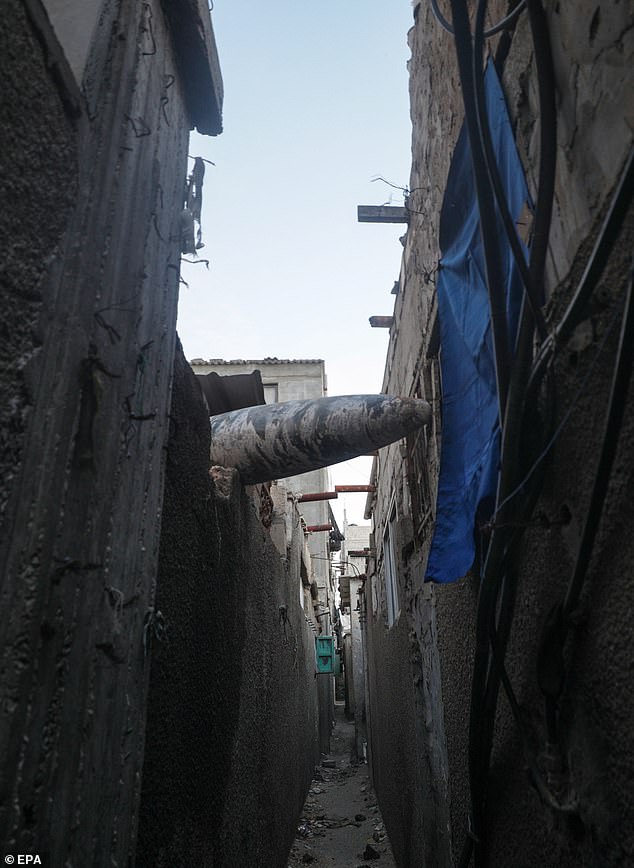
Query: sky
[(316, 106)]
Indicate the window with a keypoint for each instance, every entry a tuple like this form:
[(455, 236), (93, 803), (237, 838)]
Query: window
[(418, 479), (375, 594), (270, 393), (389, 565), (420, 458)]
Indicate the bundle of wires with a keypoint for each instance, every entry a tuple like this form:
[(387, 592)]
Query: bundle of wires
[(525, 382)]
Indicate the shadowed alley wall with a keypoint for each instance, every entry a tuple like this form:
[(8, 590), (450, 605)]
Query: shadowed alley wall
[(423, 789), (232, 727), (93, 170)]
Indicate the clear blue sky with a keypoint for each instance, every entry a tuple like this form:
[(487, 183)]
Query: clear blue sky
[(316, 105)]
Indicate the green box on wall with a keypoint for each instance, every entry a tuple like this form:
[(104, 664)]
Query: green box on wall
[(325, 655)]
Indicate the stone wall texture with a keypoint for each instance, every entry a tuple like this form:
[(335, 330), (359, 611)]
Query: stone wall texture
[(423, 790)]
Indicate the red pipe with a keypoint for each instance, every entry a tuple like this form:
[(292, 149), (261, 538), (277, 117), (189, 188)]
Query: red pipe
[(353, 488), (318, 495), (315, 528)]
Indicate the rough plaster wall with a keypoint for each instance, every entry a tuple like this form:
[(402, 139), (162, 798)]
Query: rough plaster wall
[(232, 715), (38, 166), (358, 675), (593, 54), (405, 723), (593, 48), (78, 563), (592, 44), (394, 742), (456, 610), (598, 701)]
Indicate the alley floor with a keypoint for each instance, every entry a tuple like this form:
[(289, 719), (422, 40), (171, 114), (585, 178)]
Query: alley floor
[(341, 824)]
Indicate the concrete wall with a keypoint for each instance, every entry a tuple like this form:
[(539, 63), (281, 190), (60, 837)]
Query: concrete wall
[(90, 262), (358, 667), (298, 380), (40, 176), (232, 728), (429, 651), (74, 25), (294, 380), (356, 539)]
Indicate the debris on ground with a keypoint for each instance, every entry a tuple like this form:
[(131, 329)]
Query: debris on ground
[(341, 824)]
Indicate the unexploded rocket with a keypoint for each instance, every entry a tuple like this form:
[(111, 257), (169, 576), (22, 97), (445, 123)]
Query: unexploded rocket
[(273, 441)]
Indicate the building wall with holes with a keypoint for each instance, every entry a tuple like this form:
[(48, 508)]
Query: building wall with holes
[(420, 668)]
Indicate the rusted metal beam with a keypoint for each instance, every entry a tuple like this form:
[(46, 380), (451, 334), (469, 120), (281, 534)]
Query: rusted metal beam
[(359, 553), (317, 528), (354, 488), (317, 495)]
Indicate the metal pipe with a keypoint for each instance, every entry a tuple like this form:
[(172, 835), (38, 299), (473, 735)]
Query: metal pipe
[(351, 489), (317, 495), (318, 528)]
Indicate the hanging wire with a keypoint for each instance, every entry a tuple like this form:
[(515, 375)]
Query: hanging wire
[(486, 206), (566, 418), (519, 257), (504, 22), (576, 310), (614, 420), (499, 584)]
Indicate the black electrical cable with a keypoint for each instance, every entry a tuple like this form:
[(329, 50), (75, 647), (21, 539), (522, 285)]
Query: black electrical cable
[(603, 247), (479, 731), (614, 421), (551, 668), (491, 671), (486, 679), (494, 277), (535, 773), (502, 354), (547, 140), (499, 584), (620, 386), (495, 180), (517, 406), (500, 25), (577, 308), (556, 432)]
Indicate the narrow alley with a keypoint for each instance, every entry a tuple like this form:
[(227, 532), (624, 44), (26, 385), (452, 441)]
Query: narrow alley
[(341, 824), (382, 474)]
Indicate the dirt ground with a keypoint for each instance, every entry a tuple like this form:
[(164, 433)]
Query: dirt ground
[(341, 824)]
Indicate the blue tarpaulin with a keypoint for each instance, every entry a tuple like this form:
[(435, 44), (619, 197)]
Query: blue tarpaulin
[(470, 426)]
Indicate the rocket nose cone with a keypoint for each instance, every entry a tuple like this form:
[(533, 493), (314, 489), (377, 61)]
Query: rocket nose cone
[(416, 411)]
